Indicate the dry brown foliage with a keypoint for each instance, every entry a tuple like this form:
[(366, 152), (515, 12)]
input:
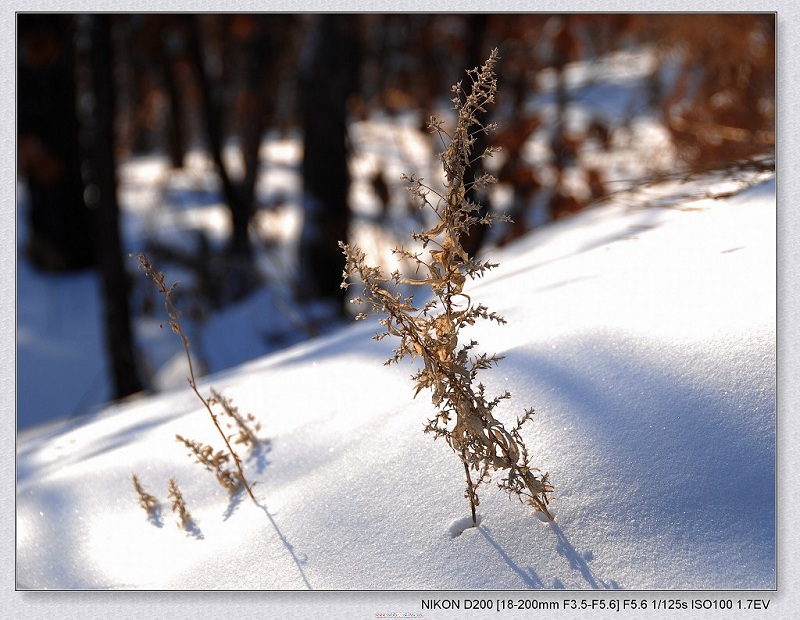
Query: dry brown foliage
[(430, 333), (178, 504), (148, 502), (243, 423), (215, 462), (204, 454)]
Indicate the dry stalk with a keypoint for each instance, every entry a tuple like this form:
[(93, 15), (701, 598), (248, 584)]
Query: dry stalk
[(430, 333), (148, 502), (178, 503), (245, 435), (174, 319)]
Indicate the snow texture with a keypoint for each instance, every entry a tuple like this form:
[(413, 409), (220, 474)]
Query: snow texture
[(644, 337)]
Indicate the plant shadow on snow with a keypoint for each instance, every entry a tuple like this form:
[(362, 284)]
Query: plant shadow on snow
[(297, 559), (234, 501), (155, 516), (692, 459), (193, 530), (676, 429), (258, 456), (528, 576), (579, 562), (576, 561)]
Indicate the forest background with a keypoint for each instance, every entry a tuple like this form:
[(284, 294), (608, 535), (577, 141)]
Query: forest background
[(202, 94)]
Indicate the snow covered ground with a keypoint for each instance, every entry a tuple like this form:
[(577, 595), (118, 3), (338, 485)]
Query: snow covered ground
[(645, 337), (643, 332)]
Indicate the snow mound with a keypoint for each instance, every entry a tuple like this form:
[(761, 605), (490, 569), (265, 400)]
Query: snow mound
[(645, 340)]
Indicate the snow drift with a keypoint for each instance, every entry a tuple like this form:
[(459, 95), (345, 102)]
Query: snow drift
[(643, 336)]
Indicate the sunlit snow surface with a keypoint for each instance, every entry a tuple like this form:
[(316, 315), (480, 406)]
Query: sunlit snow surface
[(643, 336)]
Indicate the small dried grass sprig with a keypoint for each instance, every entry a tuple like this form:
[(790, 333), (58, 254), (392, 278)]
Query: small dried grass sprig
[(246, 425), (215, 462), (148, 502), (178, 504)]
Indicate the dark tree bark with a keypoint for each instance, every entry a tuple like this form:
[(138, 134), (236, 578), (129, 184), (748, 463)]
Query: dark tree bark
[(328, 75), (212, 118), (102, 192), (61, 235), (258, 56), (476, 33), (239, 275), (176, 144), (564, 46), (263, 41)]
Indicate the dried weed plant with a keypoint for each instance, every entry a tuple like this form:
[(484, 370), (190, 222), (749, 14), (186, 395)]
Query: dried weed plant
[(246, 435), (178, 504), (148, 502), (430, 333), (213, 461)]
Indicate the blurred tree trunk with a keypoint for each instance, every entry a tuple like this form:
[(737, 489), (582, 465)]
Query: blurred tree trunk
[(168, 42), (264, 42), (253, 48), (240, 274), (61, 235), (476, 35), (328, 75), (212, 118), (563, 51), (564, 149), (102, 193)]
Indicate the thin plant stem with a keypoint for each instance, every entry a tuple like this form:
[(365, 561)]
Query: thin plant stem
[(470, 488), (174, 318)]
